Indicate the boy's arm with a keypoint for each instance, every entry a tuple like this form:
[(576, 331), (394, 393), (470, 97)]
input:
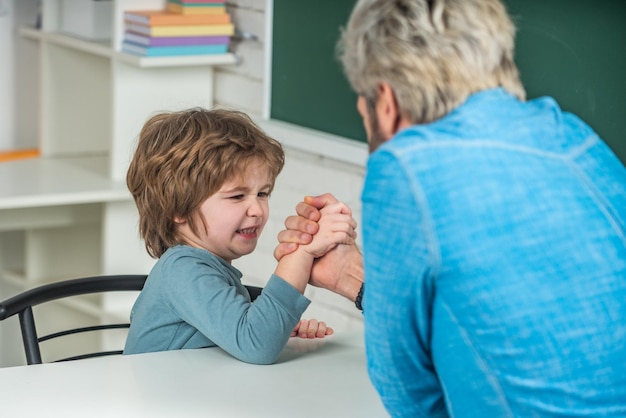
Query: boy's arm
[(295, 269)]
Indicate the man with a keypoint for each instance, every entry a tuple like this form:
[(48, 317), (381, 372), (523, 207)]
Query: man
[(494, 228)]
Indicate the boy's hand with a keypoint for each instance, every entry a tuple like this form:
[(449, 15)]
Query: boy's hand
[(336, 226), (311, 328), (300, 228)]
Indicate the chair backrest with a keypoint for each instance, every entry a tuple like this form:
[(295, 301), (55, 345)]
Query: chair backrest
[(23, 303)]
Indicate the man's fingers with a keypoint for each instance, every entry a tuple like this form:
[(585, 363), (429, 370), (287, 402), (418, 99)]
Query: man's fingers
[(320, 201), (308, 211), (300, 224)]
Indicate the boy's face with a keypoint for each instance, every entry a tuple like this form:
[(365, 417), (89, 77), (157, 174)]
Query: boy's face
[(234, 216)]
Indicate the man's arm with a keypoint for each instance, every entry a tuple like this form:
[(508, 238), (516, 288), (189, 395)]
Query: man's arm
[(340, 271)]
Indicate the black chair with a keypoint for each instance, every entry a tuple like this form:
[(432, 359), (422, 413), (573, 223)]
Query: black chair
[(23, 303)]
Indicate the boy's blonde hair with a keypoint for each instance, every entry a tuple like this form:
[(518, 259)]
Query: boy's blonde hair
[(433, 53), (184, 157)]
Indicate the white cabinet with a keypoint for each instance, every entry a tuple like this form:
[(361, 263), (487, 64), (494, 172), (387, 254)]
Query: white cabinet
[(93, 99), (68, 213)]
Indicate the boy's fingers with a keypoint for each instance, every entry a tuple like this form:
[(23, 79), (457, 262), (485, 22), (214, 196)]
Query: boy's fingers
[(312, 328), (304, 327)]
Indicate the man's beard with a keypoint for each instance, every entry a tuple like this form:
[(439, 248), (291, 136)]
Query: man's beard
[(375, 138)]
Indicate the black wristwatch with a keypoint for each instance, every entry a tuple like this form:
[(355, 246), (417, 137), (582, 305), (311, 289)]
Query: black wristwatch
[(359, 298)]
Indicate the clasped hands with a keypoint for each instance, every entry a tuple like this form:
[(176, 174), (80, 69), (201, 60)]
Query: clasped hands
[(329, 269)]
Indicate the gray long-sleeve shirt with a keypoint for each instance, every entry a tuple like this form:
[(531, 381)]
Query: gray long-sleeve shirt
[(193, 299)]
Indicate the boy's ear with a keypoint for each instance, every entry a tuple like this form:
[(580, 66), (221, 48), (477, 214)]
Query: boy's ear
[(177, 219)]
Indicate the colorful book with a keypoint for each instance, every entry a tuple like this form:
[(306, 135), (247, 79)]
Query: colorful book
[(18, 154), (165, 51), (227, 29), (163, 17), (199, 2), (189, 9), (222, 2), (145, 40)]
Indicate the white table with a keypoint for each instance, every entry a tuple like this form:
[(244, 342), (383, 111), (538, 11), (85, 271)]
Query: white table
[(312, 378)]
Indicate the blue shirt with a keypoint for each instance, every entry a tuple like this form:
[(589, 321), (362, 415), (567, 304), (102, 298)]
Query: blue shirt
[(194, 299), (495, 262)]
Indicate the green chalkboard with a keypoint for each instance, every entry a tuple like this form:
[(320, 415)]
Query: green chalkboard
[(575, 51), (572, 50), (308, 85)]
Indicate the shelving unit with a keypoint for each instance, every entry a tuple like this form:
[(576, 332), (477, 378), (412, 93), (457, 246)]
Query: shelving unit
[(93, 97), (67, 213)]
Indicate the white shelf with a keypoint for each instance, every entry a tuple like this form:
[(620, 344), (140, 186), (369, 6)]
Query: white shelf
[(181, 61), (29, 33), (19, 281), (104, 49), (101, 49), (47, 181)]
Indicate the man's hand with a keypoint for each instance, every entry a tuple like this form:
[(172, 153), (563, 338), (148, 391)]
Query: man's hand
[(341, 269), (301, 228)]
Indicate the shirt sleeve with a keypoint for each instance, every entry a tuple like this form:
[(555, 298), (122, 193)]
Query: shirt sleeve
[(252, 332), (399, 257)]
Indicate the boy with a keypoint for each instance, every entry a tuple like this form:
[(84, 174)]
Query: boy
[(201, 180)]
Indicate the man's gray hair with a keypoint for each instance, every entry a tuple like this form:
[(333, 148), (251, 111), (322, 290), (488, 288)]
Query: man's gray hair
[(433, 54)]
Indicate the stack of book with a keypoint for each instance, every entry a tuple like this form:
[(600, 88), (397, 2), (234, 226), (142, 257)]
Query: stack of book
[(187, 27), (191, 7)]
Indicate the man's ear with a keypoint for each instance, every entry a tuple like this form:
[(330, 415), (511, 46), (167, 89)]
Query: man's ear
[(386, 110), (179, 220), (390, 118)]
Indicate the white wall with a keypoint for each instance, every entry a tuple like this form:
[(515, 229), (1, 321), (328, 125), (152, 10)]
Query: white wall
[(6, 76)]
